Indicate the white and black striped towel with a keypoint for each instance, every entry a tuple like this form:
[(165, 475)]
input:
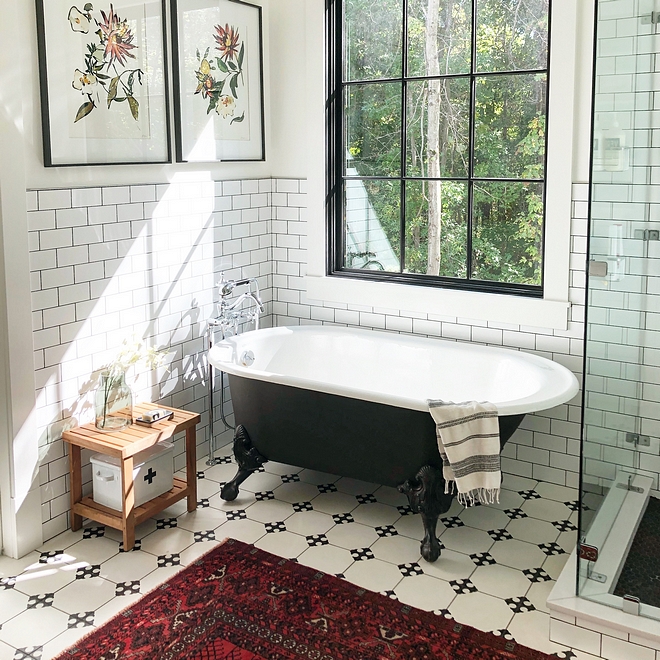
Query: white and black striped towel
[(469, 443)]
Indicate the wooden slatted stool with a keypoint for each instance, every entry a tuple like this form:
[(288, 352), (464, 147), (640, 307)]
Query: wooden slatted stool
[(124, 445)]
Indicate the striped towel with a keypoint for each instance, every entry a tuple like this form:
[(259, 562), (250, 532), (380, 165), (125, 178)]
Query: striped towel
[(469, 443)]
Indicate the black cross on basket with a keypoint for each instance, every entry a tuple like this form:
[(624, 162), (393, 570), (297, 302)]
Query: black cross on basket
[(150, 476)]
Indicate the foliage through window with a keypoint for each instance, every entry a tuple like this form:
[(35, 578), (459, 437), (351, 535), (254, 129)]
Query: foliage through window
[(438, 141)]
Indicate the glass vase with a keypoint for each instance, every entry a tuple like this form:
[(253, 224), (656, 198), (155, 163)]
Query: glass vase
[(113, 403)]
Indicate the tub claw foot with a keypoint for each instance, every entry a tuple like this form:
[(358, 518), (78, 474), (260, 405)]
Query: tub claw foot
[(249, 460), (426, 495)]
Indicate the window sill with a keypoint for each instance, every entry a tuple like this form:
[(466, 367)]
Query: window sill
[(477, 306)]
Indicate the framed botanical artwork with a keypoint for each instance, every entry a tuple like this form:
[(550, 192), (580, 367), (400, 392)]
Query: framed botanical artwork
[(103, 74), (218, 80)]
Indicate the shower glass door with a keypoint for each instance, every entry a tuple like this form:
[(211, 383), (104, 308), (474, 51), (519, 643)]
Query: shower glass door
[(620, 449)]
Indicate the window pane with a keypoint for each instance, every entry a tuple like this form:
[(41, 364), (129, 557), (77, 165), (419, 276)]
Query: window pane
[(443, 45), (436, 228), (372, 39), (510, 126), (373, 129), (512, 35), (507, 232), (372, 226), (438, 130)]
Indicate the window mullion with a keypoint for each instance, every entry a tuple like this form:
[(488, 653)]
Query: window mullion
[(404, 143), (473, 105)]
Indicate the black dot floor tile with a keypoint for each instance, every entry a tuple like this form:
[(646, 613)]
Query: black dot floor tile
[(222, 460), (201, 475), (236, 514), (137, 546), (274, 527), (408, 570), (529, 495), (405, 510), (316, 540), (7, 583), (166, 523), (51, 557), (40, 601), (341, 576), (386, 530), (203, 503), (515, 514), (574, 505), (499, 535), (127, 588), (29, 653), (551, 549), (463, 586), (327, 488), (444, 613), (519, 604), (81, 620), (536, 575), (201, 537), (483, 559), (564, 655), (93, 532), (367, 498), (87, 572), (504, 634), (266, 495), (452, 521), (302, 506), (342, 518), (390, 594), (565, 526), (362, 554), (290, 478), (173, 559)]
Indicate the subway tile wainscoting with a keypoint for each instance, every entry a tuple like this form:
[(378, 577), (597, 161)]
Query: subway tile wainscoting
[(110, 262)]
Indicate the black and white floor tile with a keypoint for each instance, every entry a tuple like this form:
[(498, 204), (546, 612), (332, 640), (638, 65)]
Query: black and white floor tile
[(496, 564)]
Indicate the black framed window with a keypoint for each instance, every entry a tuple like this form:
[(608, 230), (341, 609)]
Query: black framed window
[(437, 142)]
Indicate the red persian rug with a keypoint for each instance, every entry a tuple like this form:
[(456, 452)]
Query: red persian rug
[(240, 603)]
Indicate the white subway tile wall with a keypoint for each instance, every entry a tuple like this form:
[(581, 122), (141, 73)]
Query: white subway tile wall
[(146, 264), (124, 262)]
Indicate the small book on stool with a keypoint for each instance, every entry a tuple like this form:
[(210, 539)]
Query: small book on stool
[(153, 416)]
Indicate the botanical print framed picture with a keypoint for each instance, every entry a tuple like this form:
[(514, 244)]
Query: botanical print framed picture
[(103, 74), (218, 86)]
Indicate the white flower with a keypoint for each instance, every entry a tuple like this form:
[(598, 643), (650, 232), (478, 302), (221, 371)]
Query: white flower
[(84, 82), (226, 105), (79, 21)]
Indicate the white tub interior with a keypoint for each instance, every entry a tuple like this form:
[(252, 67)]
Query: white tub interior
[(396, 369)]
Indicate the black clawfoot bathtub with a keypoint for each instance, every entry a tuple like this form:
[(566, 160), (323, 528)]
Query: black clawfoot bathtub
[(353, 403)]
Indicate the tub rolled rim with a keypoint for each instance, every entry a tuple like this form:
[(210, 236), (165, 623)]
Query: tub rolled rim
[(226, 354)]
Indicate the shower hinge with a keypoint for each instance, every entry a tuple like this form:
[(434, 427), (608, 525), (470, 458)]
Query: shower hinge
[(651, 19), (629, 486), (647, 234), (589, 553), (638, 439), (631, 604)]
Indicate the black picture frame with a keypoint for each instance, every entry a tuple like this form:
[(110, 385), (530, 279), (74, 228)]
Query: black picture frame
[(217, 54), (118, 130)]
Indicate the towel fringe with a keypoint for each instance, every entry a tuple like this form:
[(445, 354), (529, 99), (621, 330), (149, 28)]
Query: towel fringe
[(481, 495)]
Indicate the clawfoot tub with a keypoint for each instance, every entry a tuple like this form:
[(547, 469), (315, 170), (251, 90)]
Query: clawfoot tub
[(353, 403)]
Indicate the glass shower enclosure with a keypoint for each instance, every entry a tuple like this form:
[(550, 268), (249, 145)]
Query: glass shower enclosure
[(619, 551)]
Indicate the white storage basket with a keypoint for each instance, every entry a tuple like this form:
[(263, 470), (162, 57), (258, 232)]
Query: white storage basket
[(152, 475)]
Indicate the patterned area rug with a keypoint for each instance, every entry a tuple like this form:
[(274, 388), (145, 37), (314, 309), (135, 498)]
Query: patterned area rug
[(240, 603)]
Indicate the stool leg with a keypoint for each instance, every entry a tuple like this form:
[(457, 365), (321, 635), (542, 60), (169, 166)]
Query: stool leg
[(75, 473), (128, 503), (191, 467)]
